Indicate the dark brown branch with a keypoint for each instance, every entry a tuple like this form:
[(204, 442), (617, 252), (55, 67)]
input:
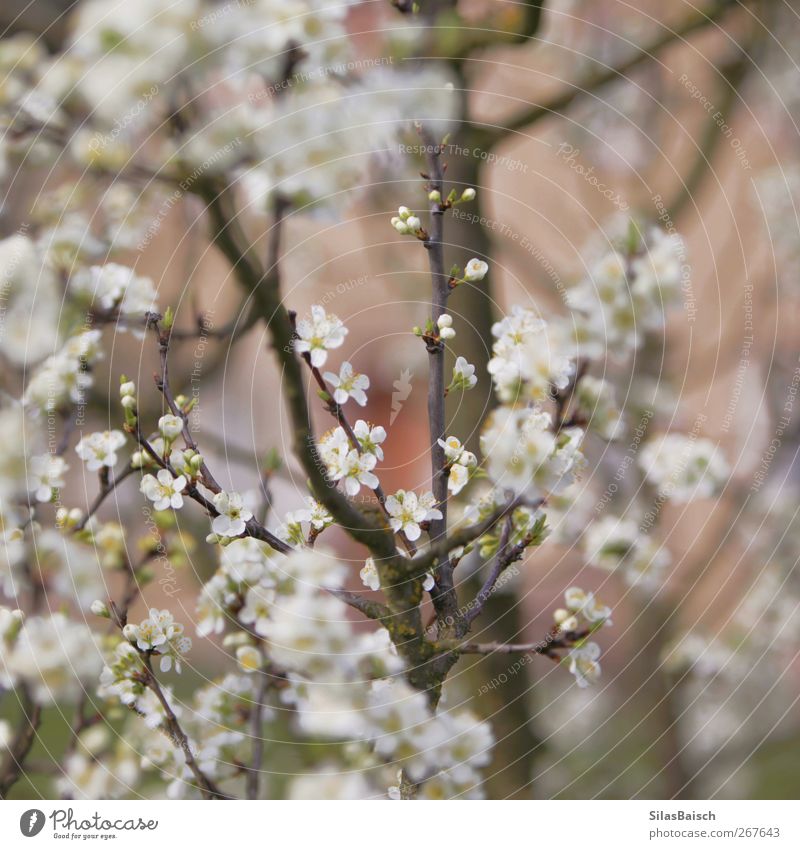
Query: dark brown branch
[(106, 488), (605, 74), (547, 647), (253, 528), (467, 534), (264, 286), (443, 594), (178, 736), (402, 587), (23, 741), (502, 561), (370, 608), (338, 413)]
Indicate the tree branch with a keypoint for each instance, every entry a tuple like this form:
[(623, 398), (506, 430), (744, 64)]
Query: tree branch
[(370, 608), (443, 594), (605, 74), (547, 647), (23, 741), (264, 286), (207, 787)]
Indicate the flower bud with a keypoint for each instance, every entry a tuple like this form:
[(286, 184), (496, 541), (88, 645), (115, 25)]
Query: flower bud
[(100, 608), (435, 196), (413, 223), (130, 632), (468, 459), (569, 624), (560, 615), (128, 402), (444, 320), (476, 270), (75, 516), (170, 426), (127, 388), (468, 194)]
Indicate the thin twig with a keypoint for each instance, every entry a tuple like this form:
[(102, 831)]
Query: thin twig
[(443, 594), (207, 787), (547, 647), (336, 410), (106, 488)]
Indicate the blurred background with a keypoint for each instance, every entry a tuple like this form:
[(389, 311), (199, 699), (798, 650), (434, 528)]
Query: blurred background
[(568, 117)]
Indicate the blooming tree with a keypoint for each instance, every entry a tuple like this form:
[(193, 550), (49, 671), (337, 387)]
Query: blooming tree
[(189, 99)]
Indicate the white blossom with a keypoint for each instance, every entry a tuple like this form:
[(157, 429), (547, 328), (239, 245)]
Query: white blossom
[(164, 490), (160, 634), (47, 473), (55, 656), (528, 358), (318, 335), (406, 511), (170, 427), (683, 467), (233, 515), (457, 478), (523, 454), (116, 287), (370, 437), (586, 605), (463, 375), (348, 384), (99, 450), (369, 575), (475, 270), (584, 665)]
